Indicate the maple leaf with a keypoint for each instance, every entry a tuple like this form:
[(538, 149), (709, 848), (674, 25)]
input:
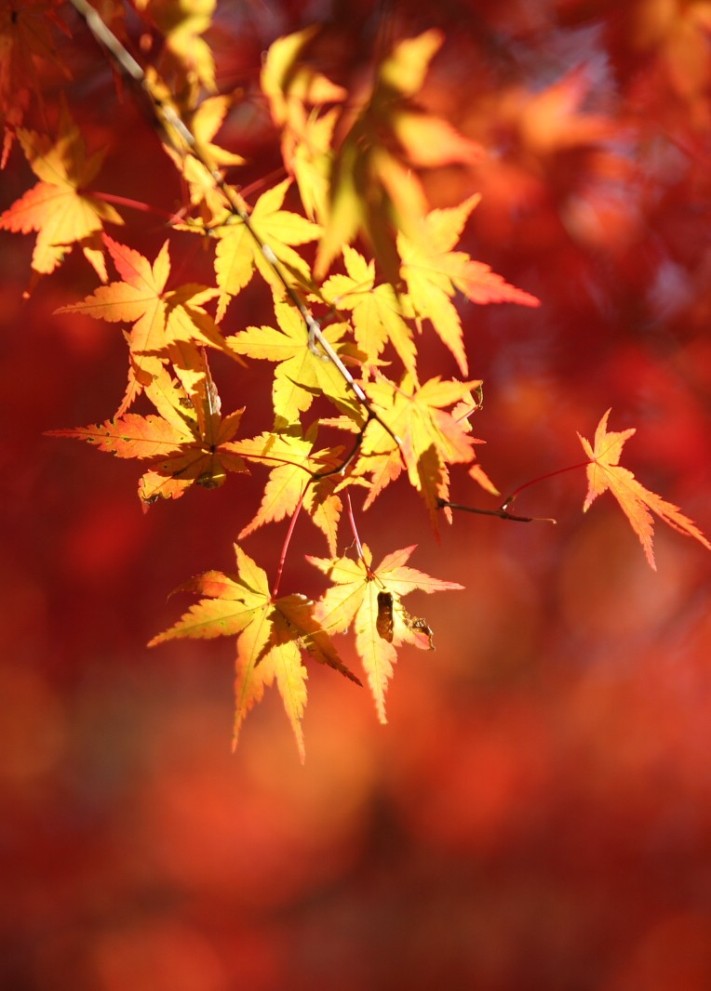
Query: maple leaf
[(200, 164), (433, 273), (370, 599), (238, 254), (57, 207), (377, 314), (638, 503), (187, 53), (161, 318), (372, 184), (291, 85), (291, 480), (271, 635), (186, 441), (431, 437), (294, 89), (302, 372), (26, 48)]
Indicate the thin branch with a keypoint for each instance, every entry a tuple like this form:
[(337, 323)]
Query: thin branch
[(172, 124), (502, 513), (503, 510), (340, 470)]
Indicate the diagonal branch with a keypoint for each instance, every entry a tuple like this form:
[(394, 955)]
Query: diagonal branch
[(172, 126)]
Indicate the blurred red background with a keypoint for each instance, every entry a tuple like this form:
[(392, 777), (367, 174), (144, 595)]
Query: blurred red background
[(537, 813)]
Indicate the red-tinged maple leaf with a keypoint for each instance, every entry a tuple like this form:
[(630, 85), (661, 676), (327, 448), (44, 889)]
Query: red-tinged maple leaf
[(302, 372), (26, 48), (431, 437), (433, 273), (238, 254), (185, 442), (293, 465), (377, 314), (638, 503), (58, 207), (370, 599), (271, 635), (161, 318)]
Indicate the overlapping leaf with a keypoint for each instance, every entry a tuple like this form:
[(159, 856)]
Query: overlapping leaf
[(431, 437), (359, 596), (363, 180), (161, 318), (302, 372), (292, 481), (186, 442), (238, 254), (377, 313), (638, 503), (272, 634)]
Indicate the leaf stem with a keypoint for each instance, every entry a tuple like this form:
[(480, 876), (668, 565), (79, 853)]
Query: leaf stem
[(287, 541), (541, 478), (134, 204), (354, 529)]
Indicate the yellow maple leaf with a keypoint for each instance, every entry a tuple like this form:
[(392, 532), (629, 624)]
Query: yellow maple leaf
[(302, 372), (187, 53), (433, 272), (360, 594), (271, 634), (377, 313), (293, 463), (238, 254), (58, 207), (638, 503), (431, 437), (200, 165), (373, 187)]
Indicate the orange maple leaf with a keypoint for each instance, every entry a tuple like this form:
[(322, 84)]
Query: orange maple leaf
[(271, 634), (370, 598), (58, 207), (604, 472), (186, 442), (160, 317)]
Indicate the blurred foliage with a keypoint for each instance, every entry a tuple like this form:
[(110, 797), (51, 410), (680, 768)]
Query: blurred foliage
[(537, 812)]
